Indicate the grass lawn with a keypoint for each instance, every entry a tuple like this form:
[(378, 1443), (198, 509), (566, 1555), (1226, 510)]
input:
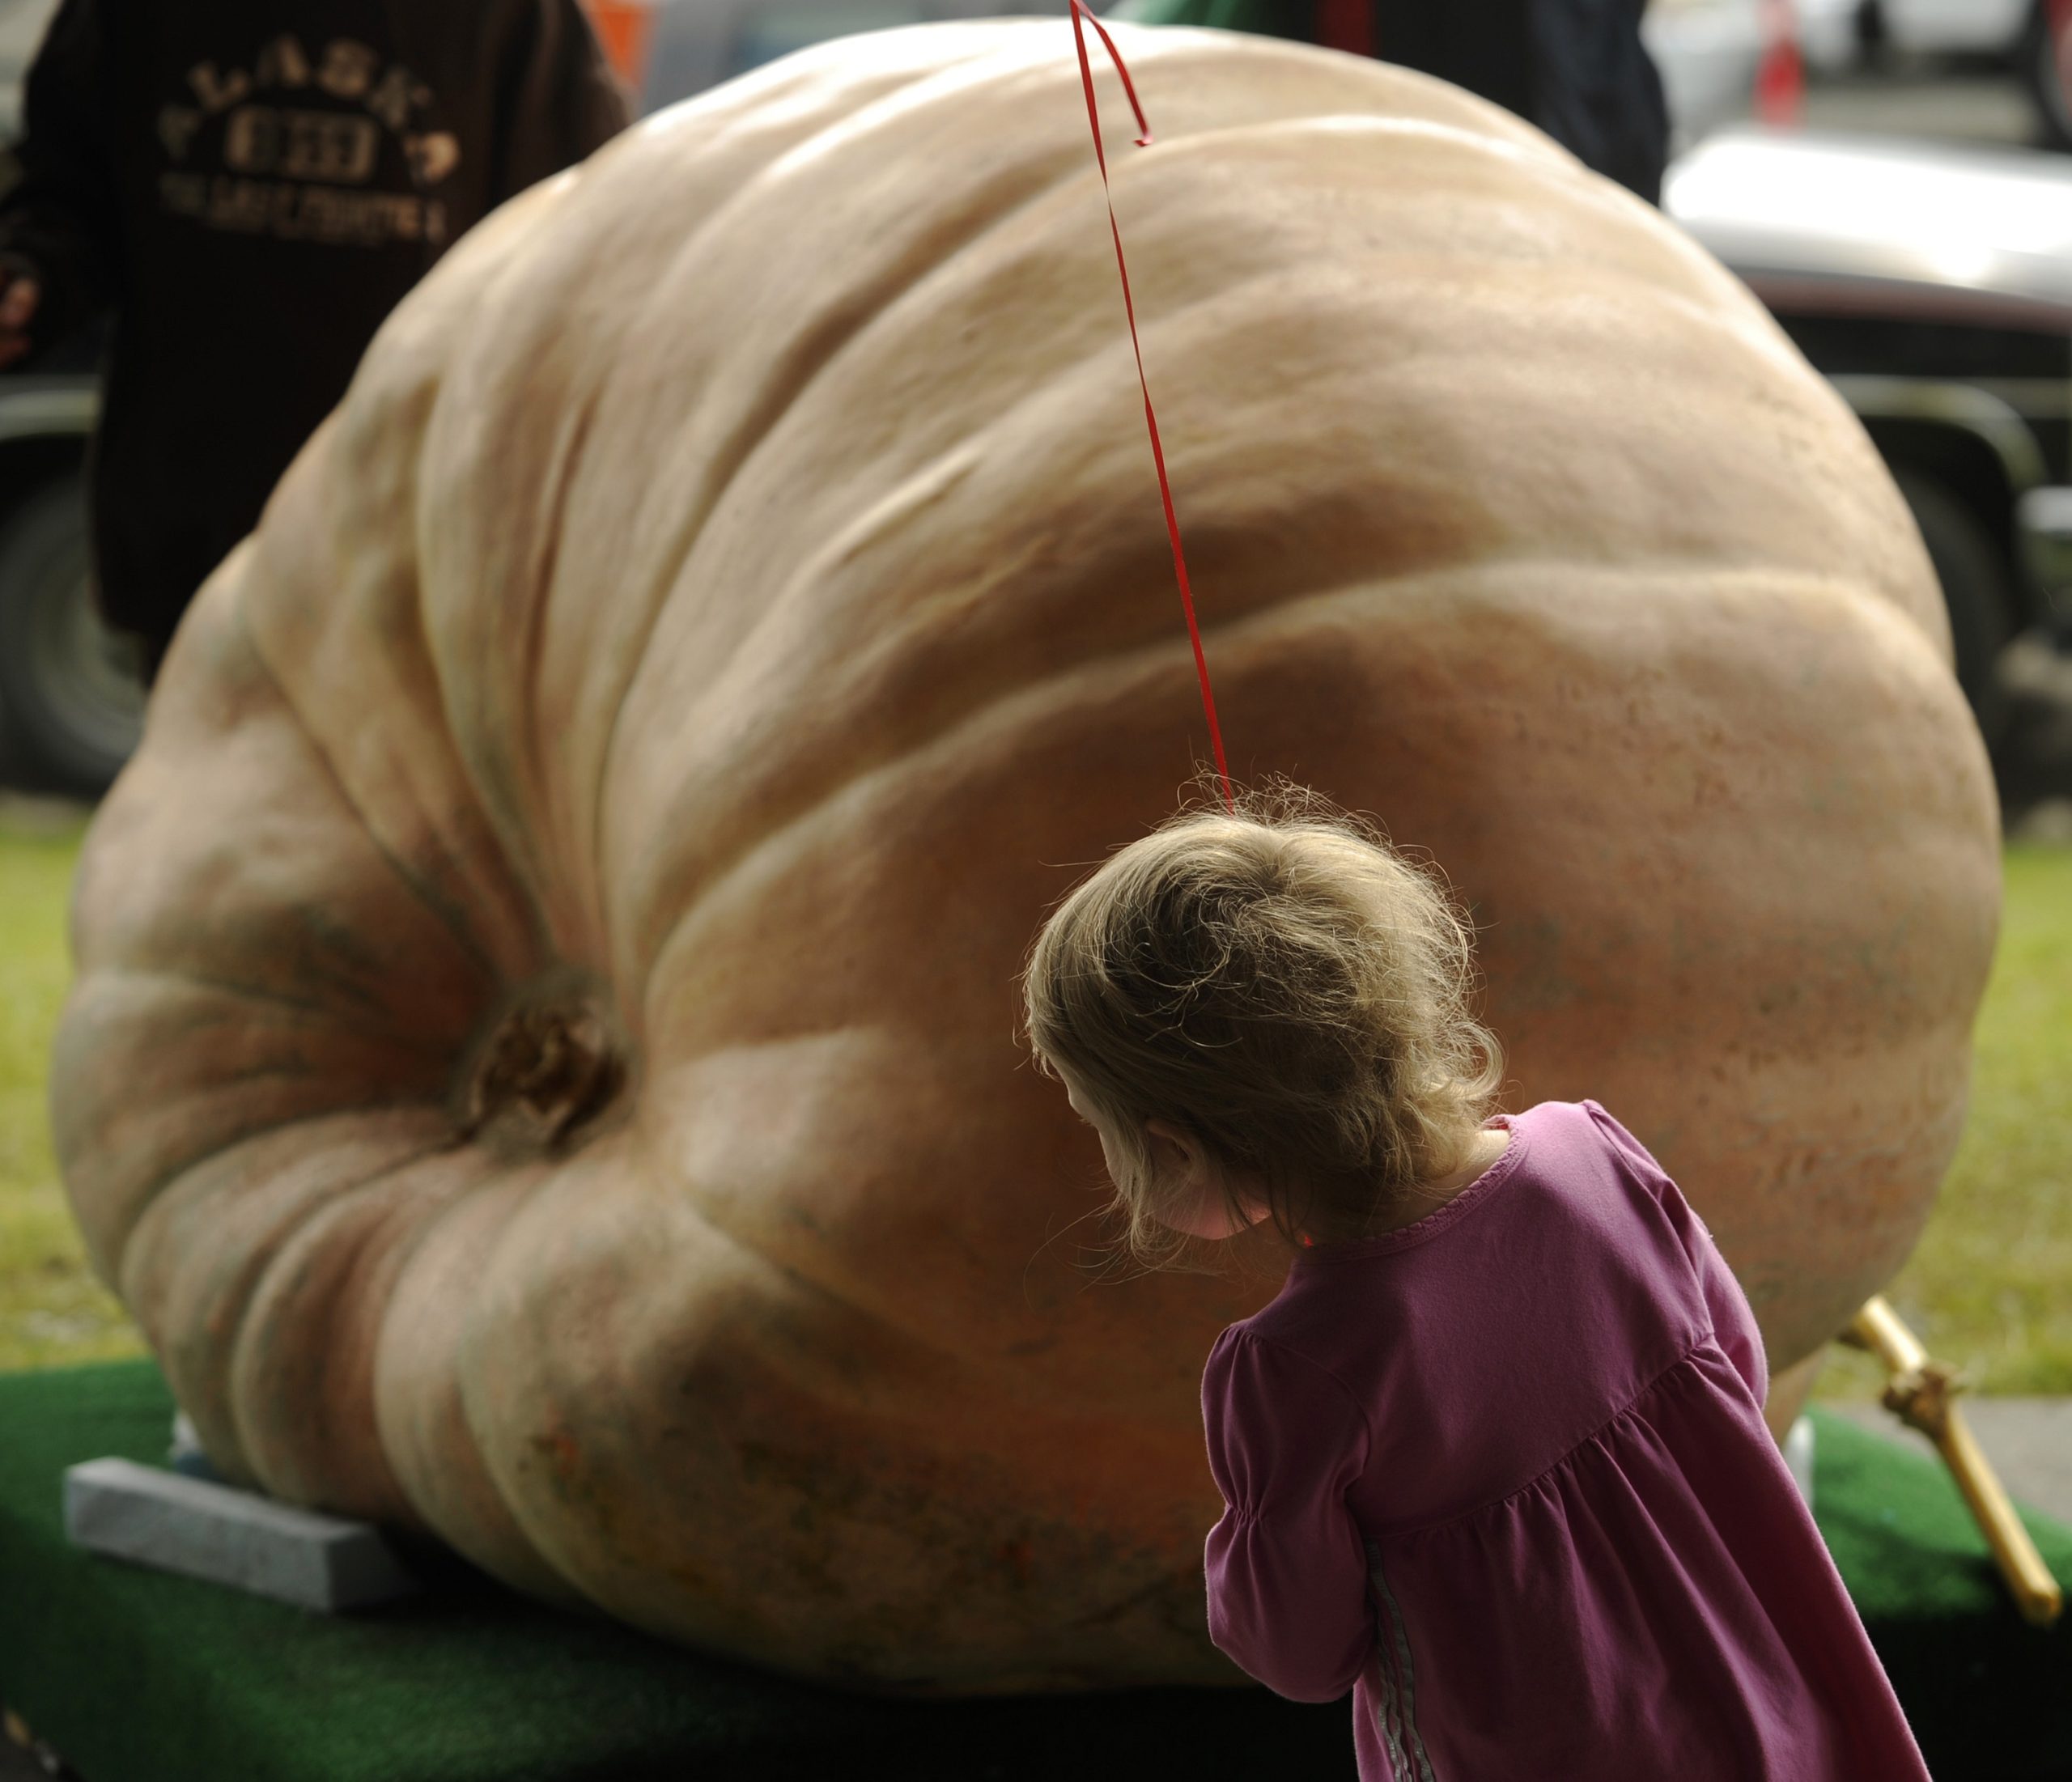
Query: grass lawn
[(1989, 1288), (52, 1309)]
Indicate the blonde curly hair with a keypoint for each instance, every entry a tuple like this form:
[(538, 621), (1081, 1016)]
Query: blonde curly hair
[(1281, 983)]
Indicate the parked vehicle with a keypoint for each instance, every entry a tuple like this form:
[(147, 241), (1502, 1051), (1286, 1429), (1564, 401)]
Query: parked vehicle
[(2033, 37), (22, 24), (1932, 286), (70, 705), (1947, 27), (69, 699), (2043, 55)]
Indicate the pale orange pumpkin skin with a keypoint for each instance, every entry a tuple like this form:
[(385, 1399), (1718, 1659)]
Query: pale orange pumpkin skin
[(731, 605)]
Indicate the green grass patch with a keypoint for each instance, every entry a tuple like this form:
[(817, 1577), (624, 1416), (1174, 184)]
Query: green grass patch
[(52, 1309), (1989, 1288)]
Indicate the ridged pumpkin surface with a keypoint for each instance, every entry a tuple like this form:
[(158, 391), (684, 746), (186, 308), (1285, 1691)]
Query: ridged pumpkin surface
[(543, 1062)]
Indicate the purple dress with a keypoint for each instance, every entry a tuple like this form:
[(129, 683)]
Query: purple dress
[(1504, 1474)]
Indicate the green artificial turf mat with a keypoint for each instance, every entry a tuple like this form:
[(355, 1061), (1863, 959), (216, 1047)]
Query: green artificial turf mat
[(1988, 1695), (138, 1677)]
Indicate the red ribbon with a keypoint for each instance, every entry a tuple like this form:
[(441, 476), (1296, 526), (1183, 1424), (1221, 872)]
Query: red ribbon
[(1150, 416)]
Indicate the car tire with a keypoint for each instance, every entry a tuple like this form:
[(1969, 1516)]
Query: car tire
[(1974, 575), (70, 691), (2047, 71)]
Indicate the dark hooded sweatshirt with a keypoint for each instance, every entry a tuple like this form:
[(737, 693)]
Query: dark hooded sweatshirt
[(250, 187), (1575, 68)]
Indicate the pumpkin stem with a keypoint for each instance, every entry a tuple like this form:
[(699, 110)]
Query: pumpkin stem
[(548, 1066)]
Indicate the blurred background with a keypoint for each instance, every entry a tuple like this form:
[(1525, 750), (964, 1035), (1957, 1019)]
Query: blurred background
[(1893, 178)]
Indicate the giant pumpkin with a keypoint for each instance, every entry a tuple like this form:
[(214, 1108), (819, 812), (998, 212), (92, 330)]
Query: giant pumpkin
[(543, 1062)]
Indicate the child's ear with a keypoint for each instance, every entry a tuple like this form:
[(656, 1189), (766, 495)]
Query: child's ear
[(1176, 1152)]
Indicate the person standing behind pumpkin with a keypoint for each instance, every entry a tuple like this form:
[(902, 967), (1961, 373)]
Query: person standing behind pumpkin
[(1575, 68), (250, 186), (1494, 1460)]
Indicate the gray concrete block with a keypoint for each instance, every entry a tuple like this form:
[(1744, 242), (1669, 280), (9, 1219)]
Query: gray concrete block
[(203, 1529), (2029, 1441)]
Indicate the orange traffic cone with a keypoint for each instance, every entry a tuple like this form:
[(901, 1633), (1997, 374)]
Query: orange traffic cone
[(622, 28), (1781, 75)]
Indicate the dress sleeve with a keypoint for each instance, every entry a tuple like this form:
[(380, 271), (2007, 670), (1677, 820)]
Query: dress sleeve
[(1625, 1144), (1286, 1566), (1734, 1325)]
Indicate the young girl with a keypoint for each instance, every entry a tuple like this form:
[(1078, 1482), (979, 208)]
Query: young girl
[(1494, 1460)]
